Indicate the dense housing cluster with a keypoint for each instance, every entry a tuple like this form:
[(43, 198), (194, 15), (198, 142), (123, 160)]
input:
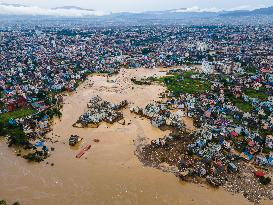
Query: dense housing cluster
[(101, 111), (159, 115), (233, 116), (41, 61)]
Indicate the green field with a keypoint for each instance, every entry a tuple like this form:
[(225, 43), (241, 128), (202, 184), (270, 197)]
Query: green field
[(19, 113), (252, 93), (179, 83), (244, 106)]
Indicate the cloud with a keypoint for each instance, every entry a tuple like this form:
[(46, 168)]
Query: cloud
[(197, 9), (214, 9), (37, 11)]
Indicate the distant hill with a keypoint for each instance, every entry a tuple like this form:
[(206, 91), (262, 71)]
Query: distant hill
[(261, 11), (264, 11)]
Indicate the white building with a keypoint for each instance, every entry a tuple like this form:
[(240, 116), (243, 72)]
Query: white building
[(207, 67)]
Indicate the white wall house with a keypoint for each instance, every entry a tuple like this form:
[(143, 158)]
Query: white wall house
[(207, 67)]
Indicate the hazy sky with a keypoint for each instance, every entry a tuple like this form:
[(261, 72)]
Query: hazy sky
[(144, 5)]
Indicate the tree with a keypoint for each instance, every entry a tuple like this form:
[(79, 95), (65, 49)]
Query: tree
[(265, 180), (3, 202), (2, 130), (210, 58), (17, 137)]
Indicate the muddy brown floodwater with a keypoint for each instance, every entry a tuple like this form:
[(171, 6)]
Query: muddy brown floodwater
[(109, 173)]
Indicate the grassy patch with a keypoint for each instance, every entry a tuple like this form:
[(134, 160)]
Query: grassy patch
[(251, 69), (252, 93), (179, 83), (239, 103), (244, 106), (264, 133), (20, 113)]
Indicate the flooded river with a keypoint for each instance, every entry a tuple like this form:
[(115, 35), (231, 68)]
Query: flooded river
[(109, 173)]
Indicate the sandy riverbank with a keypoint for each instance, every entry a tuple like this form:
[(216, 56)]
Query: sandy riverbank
[(109, 173)]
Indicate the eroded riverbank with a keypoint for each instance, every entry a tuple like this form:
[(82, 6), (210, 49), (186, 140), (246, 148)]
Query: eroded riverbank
[(109, 173)]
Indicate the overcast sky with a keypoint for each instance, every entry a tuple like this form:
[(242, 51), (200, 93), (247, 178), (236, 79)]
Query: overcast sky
[(145, 5)]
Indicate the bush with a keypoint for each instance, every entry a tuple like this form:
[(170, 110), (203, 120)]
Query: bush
[(2, 132), (18, 138), (265, 180), (141, 82), (3, 202), (266, 150), (37, 156)]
